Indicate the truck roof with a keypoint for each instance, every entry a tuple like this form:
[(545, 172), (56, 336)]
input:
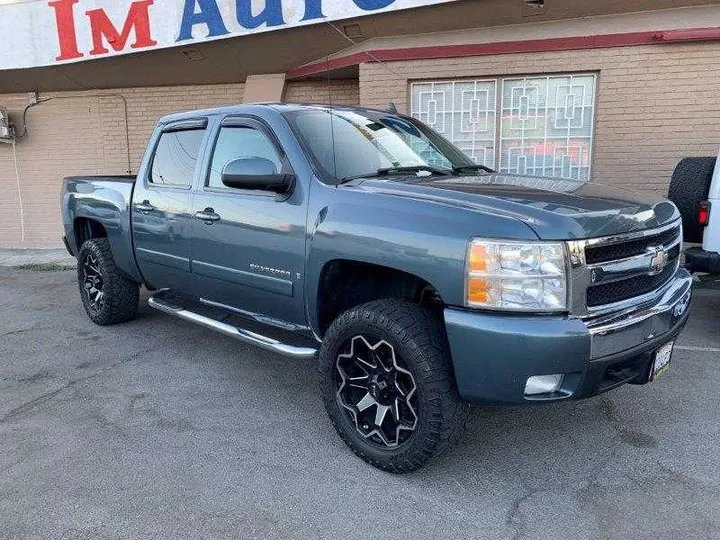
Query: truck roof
[(258, 108)]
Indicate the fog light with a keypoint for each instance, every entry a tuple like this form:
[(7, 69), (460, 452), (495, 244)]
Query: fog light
[(543, 384)]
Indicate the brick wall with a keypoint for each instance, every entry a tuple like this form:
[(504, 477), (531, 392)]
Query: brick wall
[(655, 104), (337, 92), (146, 105), (85, 133), (82, 133), (44, 156)]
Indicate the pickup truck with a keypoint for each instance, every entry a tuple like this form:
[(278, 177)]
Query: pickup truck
[(421, 281)]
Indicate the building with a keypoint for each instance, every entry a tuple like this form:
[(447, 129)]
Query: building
[(614, 91)]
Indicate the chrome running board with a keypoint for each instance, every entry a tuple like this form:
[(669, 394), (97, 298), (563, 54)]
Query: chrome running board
[(241, 334)]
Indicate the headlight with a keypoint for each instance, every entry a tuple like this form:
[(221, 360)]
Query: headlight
[(519, 276)]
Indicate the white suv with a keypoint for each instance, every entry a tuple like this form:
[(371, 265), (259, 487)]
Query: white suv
[(695, 190)]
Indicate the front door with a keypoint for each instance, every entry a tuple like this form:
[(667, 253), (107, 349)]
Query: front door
[(162, 206), (248, 248)]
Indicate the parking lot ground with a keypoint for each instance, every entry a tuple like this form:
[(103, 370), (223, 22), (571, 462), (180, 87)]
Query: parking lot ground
[(161, 429)]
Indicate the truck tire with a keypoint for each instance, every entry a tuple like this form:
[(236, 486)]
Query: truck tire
[(388, 384), (108, 294), (690, 186)]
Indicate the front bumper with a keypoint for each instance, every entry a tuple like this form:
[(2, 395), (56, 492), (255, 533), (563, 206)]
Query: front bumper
[(494, 354)]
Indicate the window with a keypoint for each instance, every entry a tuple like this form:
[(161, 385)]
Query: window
[(175, 157), (240, 142), (541, 126)]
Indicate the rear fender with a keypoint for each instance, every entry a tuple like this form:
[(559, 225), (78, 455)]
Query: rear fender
[(108, 204)]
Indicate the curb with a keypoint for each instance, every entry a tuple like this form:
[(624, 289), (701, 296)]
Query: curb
[(40, 258)]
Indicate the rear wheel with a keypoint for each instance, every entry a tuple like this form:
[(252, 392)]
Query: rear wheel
[(108, 294), (388, 385), (690, 186)]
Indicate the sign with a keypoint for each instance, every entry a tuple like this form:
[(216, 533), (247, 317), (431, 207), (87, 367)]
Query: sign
[(49, 32)]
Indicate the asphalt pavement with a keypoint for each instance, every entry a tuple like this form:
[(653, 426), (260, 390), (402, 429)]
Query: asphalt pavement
[(161, 429)]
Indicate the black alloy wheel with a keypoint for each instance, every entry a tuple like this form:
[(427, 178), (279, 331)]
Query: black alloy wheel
[(377, 391), (388, 385), (92, 285), (108, 294)]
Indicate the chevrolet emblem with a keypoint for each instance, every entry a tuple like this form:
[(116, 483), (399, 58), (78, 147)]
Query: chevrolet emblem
[(658, 260)]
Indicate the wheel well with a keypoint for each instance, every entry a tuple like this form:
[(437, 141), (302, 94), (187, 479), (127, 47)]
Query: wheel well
[(345, 284), (85, 229)]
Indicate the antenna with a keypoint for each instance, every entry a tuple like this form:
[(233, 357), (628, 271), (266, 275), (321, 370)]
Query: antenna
[(391, 109)]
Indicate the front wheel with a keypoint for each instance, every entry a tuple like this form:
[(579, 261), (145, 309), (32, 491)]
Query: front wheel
[(108, 294), (388, 385)]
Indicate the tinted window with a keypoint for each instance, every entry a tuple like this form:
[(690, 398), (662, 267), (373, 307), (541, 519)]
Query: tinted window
[(175, 157), (240, 142)]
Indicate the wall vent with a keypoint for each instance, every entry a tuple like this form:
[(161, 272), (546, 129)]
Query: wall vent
[(353, 31)]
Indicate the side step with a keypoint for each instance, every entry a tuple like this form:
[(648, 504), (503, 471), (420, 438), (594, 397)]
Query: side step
[(241, 334)]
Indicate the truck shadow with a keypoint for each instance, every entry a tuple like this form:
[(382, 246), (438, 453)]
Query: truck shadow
[(533, 447)]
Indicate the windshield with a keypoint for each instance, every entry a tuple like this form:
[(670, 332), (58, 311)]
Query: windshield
[(369, 141)]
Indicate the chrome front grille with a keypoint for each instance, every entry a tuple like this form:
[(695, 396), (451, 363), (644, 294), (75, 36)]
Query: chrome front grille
[(611, 252), (615, 273), (618, 291)]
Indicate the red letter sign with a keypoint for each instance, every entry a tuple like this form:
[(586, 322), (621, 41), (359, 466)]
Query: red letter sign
[(65, 21), (138, 18)]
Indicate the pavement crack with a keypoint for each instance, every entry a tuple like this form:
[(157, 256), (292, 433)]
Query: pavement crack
[(15, 332), (514, 518), (625, 434), (30, 405), (608, 407), (15, 463)]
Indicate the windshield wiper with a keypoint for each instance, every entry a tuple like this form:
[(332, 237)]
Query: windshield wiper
[(397, 170), (346, 179), (414, 169), (467, 168)]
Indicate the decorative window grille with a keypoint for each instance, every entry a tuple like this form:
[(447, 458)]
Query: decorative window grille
[(463, 111), (544, 126)]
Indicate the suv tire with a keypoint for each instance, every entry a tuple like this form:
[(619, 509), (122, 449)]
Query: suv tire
[(389, 360), (690, 186), (108, 294)]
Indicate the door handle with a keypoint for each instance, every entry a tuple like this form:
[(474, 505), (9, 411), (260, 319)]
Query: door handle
[(144, 207), (207, 216)]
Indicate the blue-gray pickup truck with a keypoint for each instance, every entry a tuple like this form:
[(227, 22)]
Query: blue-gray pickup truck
[(421, 281)]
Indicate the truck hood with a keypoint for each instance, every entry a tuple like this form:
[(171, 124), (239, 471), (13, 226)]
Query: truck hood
[(556, 209)]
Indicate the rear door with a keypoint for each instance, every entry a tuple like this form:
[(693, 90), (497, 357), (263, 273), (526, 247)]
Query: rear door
[(162, 204), (250, 254)]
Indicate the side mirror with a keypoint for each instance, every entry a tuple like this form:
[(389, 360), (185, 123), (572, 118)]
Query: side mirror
[(255, 173)]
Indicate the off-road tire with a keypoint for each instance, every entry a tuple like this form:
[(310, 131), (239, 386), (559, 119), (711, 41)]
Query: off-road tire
[(418, 337), (690, 186), (121, 294)]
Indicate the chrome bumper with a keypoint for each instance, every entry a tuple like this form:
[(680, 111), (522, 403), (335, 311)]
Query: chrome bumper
[(620, 331)]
